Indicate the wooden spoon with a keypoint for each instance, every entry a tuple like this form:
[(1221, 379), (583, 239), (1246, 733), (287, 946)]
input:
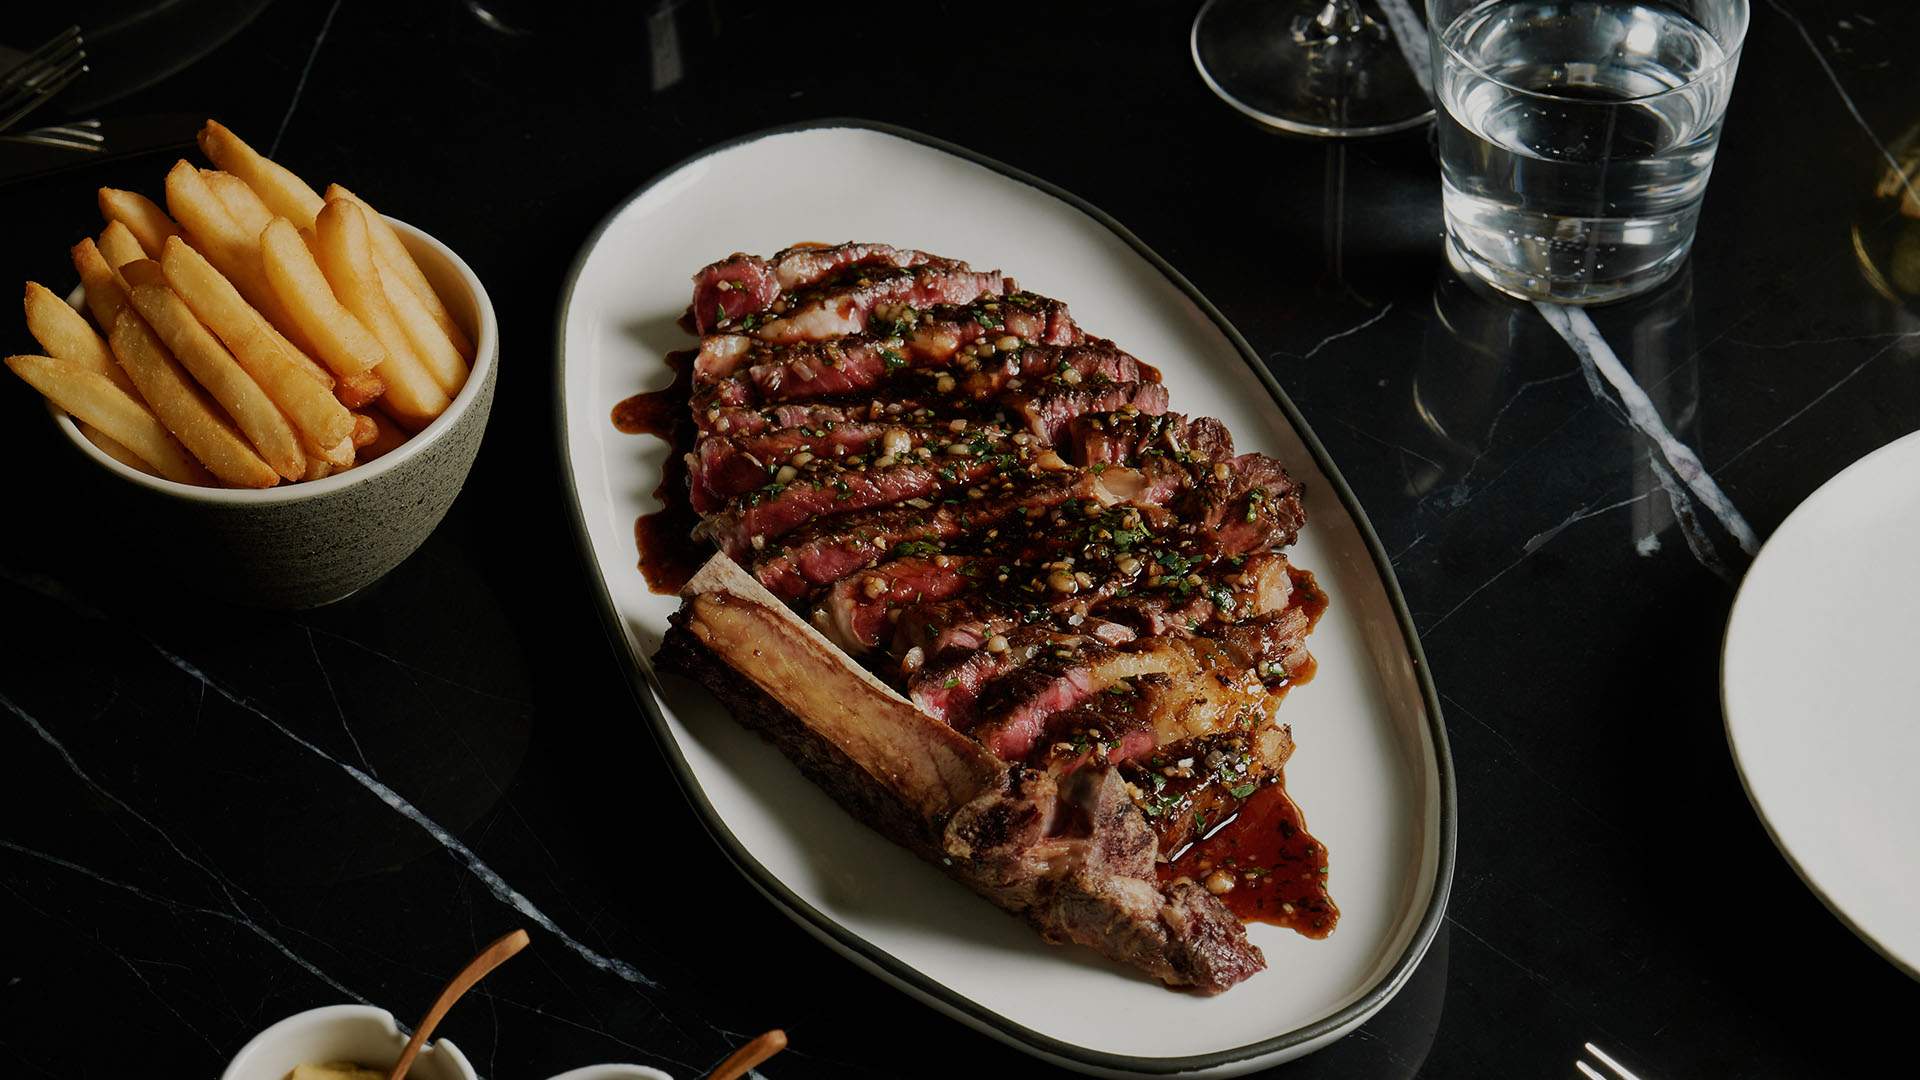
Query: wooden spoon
[(490, 957), (749, 1056)]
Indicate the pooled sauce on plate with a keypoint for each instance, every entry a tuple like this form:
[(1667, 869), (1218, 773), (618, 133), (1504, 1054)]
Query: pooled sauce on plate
[(669, 555), (1277, 869)]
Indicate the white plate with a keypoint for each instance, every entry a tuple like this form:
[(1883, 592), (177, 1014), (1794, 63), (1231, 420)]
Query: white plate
[(1371, 771), (1822, 695)]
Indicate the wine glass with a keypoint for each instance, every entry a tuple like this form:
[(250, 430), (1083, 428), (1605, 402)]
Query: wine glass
[(1316, 67)]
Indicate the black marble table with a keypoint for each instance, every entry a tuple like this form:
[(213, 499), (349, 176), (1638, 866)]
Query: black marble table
[(188, 851)]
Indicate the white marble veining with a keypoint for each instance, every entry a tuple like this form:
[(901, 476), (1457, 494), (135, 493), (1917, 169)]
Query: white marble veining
[(237, 915), (495, 884), (1576, 327)]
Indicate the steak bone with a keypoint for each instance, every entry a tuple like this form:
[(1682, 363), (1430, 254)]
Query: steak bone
[(1073, 856)]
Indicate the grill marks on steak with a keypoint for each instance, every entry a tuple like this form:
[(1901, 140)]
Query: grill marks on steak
[(997, 515)]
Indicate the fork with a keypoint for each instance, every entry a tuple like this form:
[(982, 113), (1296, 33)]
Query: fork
[(84, 136), (1621, 1072), (41, 74)]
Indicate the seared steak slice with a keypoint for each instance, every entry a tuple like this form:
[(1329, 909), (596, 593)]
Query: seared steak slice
[(1048, 408), (1131, 440), (723, 420), (1246, 505), (855, 613), (940, 332), (805, 264), (841, 305), (1072, 855), (743, 285), (726, 466), (749, 523), (824, 552), (736, 286), (817, 369)]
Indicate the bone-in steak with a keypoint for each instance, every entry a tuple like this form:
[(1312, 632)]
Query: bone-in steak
[(983, 587)]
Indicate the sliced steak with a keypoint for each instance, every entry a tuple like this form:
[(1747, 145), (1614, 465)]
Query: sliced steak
[(803, 265), (855, 613), (1048, 408), (825, 551), (1134, 439), (841, 306), (943, 331), (723, 420), (732, 288), (1002, 604)]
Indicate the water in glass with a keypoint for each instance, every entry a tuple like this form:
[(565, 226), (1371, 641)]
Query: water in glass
[(1575, 141)]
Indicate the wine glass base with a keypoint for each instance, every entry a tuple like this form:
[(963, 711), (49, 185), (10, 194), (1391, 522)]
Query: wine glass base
[(1270, 61)]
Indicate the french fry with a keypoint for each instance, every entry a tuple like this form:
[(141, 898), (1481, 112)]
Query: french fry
[(215, 369), (148, 223), (93, 399), (64, 333), (248, 211), (341, 340), (345, 256), (183, 408), (340, 455), (387, 437), (359, 391), (309, 404), (318, 468), (430, 343), (392, 256), (365, 430), (280, 188), (105, 297), (141, 271), (232, 250), (113, 449), (117, 243)]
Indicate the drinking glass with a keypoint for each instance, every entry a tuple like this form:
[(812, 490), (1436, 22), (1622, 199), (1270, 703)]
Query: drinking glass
[(1316, 67), (1576, 137)]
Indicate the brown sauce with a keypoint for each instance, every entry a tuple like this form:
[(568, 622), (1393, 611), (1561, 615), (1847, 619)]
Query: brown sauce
[(1307, 594), (1278, 870), (669, 555)]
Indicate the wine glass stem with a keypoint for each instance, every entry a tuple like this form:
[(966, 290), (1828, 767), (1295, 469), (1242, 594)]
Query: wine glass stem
[(1338, 19)]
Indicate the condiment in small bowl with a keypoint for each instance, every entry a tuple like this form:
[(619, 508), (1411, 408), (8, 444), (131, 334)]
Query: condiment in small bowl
[(306, 544), (361, 1034), (614, 1072)]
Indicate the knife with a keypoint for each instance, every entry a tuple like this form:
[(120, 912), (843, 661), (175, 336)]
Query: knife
[(81, 143)]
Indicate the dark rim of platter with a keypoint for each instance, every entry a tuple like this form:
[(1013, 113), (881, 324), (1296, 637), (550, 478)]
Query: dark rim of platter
[(866, 952)]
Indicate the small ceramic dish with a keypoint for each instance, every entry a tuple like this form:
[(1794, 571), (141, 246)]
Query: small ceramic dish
[(614, 1072), (307, 544), (361, 1034)]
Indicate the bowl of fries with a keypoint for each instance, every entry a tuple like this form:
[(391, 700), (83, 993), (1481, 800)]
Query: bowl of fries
[(287, 388)]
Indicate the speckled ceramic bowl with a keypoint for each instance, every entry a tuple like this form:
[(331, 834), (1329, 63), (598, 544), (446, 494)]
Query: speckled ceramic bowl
[(306, 544), (361, 1034)]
